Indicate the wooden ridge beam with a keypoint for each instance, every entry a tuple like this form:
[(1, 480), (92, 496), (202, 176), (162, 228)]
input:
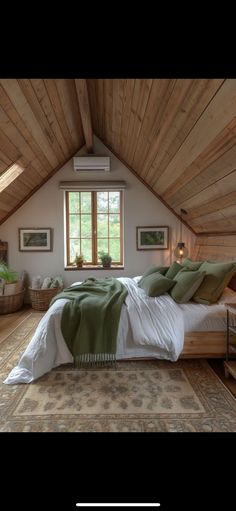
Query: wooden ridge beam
[(85, 112)]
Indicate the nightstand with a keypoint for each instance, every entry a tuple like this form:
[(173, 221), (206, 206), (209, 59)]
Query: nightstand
[(229, 363)]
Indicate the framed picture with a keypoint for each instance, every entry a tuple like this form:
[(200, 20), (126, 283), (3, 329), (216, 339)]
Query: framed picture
[(152, 238), (35, 239)]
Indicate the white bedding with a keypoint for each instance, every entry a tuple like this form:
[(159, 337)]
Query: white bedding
[(148, 327)]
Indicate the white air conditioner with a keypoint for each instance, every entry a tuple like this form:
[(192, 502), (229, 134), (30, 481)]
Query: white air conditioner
[(92, 163)]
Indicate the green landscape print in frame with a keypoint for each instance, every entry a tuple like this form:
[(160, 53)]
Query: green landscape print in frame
[(152, 238)]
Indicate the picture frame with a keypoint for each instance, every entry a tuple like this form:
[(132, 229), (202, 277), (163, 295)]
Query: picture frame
[(35, 239), (152, 238)]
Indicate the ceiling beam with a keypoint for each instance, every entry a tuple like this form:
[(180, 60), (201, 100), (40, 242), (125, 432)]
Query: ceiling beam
[(85, 112)]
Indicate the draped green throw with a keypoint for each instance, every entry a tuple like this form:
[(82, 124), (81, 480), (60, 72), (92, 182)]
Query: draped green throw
[(90, 320)]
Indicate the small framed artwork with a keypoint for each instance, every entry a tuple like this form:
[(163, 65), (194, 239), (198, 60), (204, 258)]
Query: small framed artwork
[(35, 239), (152, 238)]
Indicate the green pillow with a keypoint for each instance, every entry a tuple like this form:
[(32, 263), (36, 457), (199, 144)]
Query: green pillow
[(156, 284), (154, 269), (187, 283), (217, 278), (192, 265), (173, 270)]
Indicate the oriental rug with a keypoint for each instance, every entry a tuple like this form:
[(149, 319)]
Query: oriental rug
[(133, 396)]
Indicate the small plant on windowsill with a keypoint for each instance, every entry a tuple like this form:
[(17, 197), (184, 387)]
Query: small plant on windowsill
[(79, 260), (106, 259)]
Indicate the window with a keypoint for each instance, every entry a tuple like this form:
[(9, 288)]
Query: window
[(9, 175), (94, 224)]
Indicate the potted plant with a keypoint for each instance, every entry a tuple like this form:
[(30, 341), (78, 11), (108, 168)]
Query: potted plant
[(79, 259), (12, 283), (106, 259)]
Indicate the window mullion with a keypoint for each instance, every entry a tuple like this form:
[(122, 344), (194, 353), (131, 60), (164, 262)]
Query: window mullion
[(108, 219), (121, 226), (80, 244), (94, 227), (67, 229)]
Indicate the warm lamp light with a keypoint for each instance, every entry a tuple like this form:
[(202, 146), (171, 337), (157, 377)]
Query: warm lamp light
[(181, 251)]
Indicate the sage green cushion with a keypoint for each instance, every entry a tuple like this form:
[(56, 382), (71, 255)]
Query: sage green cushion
[(217, 278), (173, 270), (187, 283), (154, 269), (192, 265), (156, 284)]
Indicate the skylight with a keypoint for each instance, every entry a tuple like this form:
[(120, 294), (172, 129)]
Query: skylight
[(9, 175)]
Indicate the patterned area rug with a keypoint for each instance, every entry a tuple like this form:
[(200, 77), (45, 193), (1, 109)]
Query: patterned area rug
[(134, 396)]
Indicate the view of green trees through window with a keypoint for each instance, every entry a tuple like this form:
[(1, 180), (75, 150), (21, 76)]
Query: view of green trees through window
[(94, 225)]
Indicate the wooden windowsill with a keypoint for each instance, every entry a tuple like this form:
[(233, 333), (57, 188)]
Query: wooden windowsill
[(87, 267)]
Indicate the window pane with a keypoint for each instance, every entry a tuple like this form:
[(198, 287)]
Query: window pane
[(102, 202), (102, 226), (114, 202), (74, 202), (74, 249), (114, 226), (85, 202), (74, 226), (102, 246), (86, 249), (86, 226), (115, 250)]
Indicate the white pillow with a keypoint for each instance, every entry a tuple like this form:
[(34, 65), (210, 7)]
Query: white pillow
[(137, 279)]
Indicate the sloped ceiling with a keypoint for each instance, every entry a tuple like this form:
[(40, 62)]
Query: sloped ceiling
[(178, 135)]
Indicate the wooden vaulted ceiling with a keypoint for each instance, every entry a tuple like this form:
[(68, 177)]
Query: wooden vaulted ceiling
[(178, 135)]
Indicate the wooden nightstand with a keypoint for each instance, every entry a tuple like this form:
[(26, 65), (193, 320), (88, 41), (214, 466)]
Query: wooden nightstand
[(229, 363)]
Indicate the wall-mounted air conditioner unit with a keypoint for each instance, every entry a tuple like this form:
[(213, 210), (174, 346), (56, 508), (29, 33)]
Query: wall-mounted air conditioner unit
[(92, 163)]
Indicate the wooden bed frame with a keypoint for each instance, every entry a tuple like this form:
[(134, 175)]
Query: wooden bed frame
[(204, 344), (207, 344)]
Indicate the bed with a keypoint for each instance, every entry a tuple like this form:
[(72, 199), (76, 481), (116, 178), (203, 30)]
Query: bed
[(148, 328)]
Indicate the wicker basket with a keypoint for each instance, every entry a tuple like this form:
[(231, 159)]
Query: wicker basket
[(41, 298), (11, 303)]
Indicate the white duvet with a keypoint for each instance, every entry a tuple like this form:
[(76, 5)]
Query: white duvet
[(154, 326)]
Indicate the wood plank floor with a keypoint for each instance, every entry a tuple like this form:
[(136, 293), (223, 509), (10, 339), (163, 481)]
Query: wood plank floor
[(9, 322)]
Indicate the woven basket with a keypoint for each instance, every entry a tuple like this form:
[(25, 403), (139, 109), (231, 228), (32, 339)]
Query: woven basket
[(11, 303), (41, 298)]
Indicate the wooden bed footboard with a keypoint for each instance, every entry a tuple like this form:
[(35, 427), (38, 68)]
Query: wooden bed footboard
[(204, 345)]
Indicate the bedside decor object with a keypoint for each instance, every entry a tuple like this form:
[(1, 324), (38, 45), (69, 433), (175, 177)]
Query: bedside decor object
[(11, 281), (152, 238), (35, 239), (230, 359), (181, 251), (11, 303), (41, 298)]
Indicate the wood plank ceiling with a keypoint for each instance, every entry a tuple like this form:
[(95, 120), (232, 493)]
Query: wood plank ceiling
[(40, 129), (178, 135)]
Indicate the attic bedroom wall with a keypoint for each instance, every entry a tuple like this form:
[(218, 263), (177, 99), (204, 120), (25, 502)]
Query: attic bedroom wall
[(45, 209)]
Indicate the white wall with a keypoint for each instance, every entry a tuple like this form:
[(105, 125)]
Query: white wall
[(45, 209)]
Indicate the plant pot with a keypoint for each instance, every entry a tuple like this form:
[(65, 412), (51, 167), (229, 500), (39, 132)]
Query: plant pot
[(106, 265), (13, 288), (80, 265)]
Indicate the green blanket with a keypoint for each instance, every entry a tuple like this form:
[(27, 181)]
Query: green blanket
[(90, 319)]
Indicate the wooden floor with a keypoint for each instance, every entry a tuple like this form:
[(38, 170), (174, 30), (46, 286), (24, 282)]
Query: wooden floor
[(9, 322)]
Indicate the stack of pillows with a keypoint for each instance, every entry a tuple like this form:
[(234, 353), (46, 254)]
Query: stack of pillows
[(203, 282)]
